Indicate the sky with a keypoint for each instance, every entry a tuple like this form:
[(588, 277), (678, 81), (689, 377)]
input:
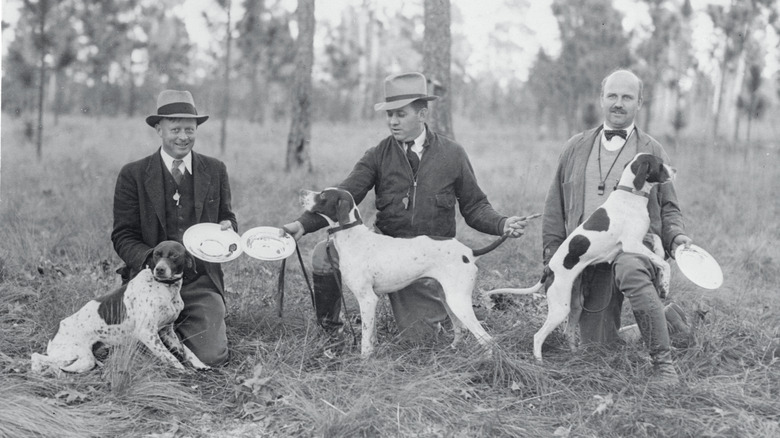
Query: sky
[(479, 18)]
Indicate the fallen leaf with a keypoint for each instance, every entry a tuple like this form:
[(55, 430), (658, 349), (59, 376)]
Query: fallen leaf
[(604, 403)]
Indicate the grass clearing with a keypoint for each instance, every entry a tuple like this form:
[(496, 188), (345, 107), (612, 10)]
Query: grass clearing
[(286, 378)]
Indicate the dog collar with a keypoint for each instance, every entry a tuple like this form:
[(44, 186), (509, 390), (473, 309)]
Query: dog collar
[(345, 227), (633, 191), (171, 281)]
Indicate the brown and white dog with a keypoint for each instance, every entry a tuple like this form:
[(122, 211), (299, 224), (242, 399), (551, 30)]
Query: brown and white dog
[(619, 224), (144, 309), (373, 264)]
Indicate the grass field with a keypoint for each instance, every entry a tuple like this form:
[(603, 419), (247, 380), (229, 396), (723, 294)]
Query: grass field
[(288, 379)]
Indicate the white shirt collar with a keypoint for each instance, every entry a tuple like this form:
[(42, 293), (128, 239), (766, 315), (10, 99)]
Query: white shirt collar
[(168, 160), (417, 147), (616, 142)]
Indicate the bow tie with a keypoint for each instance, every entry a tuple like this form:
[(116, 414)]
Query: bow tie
[(609, 133)]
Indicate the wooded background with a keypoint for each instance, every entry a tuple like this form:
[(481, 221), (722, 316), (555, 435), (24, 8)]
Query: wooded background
[(270, 60)]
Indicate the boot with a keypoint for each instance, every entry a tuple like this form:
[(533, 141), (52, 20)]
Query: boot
[(664, 373), (652, 326), (327, 300)]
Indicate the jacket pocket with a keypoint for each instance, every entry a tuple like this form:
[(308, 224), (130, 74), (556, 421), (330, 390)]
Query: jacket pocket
[(442, 219), (445, 200)]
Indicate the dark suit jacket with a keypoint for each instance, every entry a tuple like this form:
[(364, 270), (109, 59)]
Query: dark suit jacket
[(139, 207)]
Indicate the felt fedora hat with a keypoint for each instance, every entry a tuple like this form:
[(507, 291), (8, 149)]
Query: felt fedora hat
[(173, 104), (403, 89)]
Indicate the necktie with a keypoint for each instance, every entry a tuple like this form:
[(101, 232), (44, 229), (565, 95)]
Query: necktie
[(414, 160), (177, 175), (609, 133)]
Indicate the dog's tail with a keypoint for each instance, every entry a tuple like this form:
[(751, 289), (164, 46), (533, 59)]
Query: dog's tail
[(500, 240), (482, 251), (529, 290), (513, 291)]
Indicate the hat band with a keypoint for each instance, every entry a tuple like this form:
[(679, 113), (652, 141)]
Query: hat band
[(177, 108), (404, 96)]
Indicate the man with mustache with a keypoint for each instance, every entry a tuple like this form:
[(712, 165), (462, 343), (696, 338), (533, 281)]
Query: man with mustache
[(588, 171)]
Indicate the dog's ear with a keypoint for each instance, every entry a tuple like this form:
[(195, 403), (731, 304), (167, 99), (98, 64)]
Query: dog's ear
[(189, 263), (343, 207), (640, 168)]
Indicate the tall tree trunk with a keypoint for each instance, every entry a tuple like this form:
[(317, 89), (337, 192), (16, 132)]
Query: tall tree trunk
[(298, 142), (58, 89), (366, 67), (254, 92), (226, 95), (719, 98), (42, 78), (256, 113), (43, 11), (436, 63), (131, 90)]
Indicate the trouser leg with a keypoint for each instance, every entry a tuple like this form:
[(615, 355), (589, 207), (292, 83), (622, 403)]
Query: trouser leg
[(600, 318), (419, 309), (634, 277), (201, 324), (676, 322), (327, 290)]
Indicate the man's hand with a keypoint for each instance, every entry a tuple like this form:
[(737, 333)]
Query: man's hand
[(680, 239), (295, 229), (225, 225), (515, 226)]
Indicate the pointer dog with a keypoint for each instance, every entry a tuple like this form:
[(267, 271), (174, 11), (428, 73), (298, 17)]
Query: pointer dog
[(618, 225), (144, 309), (373, 264)]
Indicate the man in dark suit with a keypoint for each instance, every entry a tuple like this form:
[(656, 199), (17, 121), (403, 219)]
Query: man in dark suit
[(157, 198)]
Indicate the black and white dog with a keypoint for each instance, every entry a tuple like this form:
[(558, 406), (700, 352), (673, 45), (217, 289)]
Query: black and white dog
[(144, 309), (619, 224)]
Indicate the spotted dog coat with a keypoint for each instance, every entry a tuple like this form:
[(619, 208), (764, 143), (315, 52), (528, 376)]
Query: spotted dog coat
[(373, 264), (619, 224), (144, 309)]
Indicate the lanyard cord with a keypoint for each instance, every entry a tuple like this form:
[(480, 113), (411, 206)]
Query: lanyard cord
[(603, 181)]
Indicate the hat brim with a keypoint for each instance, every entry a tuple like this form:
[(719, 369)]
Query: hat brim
[(387, 106), (154, 119)]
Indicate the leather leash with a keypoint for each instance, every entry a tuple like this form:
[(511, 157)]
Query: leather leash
[(280, 285)]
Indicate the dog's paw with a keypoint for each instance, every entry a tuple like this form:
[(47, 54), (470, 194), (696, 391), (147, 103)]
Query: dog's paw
[(38, 363)]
